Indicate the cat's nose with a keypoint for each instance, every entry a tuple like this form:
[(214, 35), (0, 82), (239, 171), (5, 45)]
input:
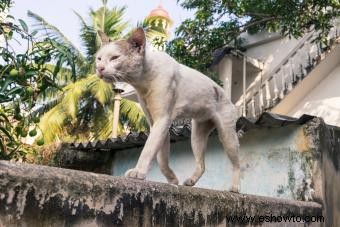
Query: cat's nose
[(100, 68)]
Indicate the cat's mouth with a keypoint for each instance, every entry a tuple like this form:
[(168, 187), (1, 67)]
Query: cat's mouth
[(107, 79)]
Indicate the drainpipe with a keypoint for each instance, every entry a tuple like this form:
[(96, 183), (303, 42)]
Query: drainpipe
[(244, 86), (225, 70), (116, 108)]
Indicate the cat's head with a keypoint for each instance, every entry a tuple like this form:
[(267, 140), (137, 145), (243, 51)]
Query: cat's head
[(121, 60)]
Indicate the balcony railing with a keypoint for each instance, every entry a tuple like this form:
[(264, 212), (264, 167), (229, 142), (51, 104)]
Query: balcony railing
[(268, 90)]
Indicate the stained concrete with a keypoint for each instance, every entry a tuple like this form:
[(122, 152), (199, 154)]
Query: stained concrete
[(291, 159), (36, 196), (284, 160), (331, 175)]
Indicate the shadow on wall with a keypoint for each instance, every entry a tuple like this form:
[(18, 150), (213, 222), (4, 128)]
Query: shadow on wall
[(328, 109), (331, 176), (273, 52)]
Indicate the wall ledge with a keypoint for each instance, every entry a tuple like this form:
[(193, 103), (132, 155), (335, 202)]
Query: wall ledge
[(32, 195)]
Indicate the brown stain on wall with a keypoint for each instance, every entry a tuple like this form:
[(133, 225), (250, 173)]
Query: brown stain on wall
[(302, 142)]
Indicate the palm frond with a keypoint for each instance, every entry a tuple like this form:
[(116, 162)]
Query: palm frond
[(109, 21), (102, 124), (51, 124), (64, 74), (101, 90), (131, 112), (88, 89), (72, 95), (50, 32), (45, 107), (84, 109), (88, 37)]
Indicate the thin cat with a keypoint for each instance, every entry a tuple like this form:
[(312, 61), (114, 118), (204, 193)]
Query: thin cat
[(168, 90)]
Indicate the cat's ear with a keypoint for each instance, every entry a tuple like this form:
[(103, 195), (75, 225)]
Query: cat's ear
[(137, 39), (103, 37)]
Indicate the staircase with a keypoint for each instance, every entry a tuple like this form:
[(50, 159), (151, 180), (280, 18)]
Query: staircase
[(268, 90)]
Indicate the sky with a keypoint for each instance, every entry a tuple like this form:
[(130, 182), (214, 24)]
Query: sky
[(60, 12)]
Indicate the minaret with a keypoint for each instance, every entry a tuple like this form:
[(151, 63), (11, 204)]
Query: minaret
[(159, 20)]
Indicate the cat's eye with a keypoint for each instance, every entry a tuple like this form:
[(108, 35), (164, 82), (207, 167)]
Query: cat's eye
[(113, 58), (99, 58)]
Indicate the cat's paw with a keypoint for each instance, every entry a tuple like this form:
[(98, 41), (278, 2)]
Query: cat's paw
[(235, 188), (173, 181), (189, 182), (135, 173)]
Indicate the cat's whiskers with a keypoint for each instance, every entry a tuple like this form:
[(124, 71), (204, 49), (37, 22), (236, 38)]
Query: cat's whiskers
[(123, 76), (113, 77), (127, 78), (120, 76)]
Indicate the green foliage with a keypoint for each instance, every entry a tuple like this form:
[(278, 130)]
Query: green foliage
[(220, 22), (53, 77), (104, 19), (23, 78), (5, 4), (86, 113), (83, 109), (67, 54), (156, 35)]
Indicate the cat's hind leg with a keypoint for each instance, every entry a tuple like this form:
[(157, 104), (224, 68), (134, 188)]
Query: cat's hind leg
[(199, 138), (229, 139), (163, 162)]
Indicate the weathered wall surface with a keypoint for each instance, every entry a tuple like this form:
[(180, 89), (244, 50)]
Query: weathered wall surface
[(272, 52), (295, 161), (43, 196), (98, 161), (331, 175), (280, 159), (323, 99)]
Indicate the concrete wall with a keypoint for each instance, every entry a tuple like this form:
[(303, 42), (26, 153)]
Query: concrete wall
[(331, 176), (269, 48), (316, 94), (280, 159), (271, 52), (35, 196), (292, 161), (323, 100)]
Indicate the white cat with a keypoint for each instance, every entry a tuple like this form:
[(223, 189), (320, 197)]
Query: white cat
[(168, 90)]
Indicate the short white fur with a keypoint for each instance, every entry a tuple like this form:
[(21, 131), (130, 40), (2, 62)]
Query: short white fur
[(168, 90)]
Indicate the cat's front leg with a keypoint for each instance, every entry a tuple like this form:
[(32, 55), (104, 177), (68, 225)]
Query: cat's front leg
[(154, 143)]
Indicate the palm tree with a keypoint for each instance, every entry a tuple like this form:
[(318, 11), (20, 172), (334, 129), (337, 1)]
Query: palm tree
[(86, 113), (82, 109)]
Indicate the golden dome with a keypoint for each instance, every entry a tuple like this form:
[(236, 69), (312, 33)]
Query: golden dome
[(159, 12)]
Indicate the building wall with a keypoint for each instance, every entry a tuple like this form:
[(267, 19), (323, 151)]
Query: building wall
[(323, 100), (269, 48), (272, 52), (275, 166), (299, 161), (331, 176)]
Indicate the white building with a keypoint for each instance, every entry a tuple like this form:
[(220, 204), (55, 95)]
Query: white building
[(284, 76)]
